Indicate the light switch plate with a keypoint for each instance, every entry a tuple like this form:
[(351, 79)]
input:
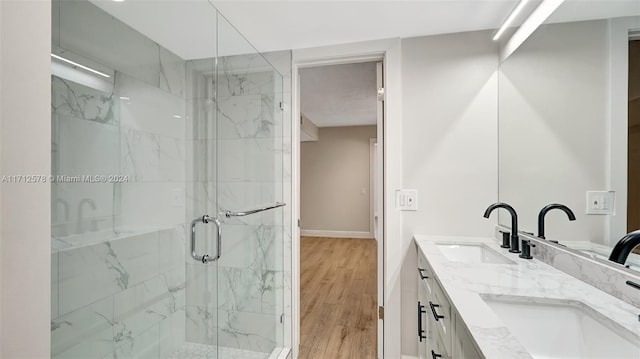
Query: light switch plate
[(601, 202), (407, 199)]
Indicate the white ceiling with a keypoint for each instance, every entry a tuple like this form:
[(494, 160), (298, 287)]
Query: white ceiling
[(339, 95), (189, 29), (278, 25)]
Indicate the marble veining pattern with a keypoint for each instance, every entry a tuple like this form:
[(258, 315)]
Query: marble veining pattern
[(73, 100), (602, 276), (236, 164), (466, 283), (85, 140), (152, 82), (137, 285)]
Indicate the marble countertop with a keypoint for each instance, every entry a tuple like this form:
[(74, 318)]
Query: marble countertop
[(466, 283)]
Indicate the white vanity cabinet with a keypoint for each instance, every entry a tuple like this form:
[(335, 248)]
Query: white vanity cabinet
[(441, 333), (463, 347)]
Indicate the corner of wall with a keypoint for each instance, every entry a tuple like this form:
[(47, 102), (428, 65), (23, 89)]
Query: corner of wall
[(25, 140)]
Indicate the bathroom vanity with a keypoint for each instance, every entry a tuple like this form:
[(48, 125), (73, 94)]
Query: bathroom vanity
[(477, 300)]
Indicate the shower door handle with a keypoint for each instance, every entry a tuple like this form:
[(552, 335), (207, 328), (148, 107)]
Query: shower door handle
[(230, 214), (205, 258)]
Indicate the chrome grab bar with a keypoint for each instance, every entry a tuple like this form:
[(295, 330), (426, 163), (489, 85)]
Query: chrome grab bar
[(205, 258), (230, 214)]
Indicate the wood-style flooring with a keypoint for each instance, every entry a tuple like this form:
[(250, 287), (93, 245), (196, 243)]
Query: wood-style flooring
[(338, 298)]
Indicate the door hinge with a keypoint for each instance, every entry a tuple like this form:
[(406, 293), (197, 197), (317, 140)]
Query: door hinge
[(298, 222), (381, 94), (381, 312), (281, 106)]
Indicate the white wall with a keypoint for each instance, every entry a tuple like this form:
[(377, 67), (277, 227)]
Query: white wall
[(335, 179), (449, 145), (554, 128), (25, 131)]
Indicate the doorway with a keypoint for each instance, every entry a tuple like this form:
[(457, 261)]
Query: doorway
[(340, 200)]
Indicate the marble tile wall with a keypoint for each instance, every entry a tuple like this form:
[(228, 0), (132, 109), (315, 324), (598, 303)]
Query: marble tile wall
[(137, 131), (190, 144), (153, 155), (120, 298), (85, 141), (239, 163), (250, 173), (146, 141), (120, 294)]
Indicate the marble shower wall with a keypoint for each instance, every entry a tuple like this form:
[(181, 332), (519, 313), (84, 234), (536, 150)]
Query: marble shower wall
[(146, 110), (238, 164), (153, 155), (120, 298), (201, 305), (118, 287), (85, 141), (190, 144)]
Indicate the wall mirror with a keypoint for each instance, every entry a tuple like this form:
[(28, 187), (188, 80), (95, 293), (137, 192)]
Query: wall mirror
[(569, 101)]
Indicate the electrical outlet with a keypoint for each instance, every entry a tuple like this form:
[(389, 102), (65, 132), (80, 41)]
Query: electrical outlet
[(407, 199), (601, 202)]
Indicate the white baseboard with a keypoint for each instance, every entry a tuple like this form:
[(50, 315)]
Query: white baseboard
[(409, 357), (335, 234), (280, 353)]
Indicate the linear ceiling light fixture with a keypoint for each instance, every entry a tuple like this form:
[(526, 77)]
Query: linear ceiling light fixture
[(80, 66), (510, 19)]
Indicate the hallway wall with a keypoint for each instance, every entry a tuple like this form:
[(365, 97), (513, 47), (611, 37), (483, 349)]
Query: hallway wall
[(335, 182)]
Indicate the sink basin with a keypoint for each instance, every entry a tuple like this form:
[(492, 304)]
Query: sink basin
[(472, 253), (565, 330)]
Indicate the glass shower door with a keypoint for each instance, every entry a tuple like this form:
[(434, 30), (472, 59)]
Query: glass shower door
[(249, 179), (202, 247), (235, 276)]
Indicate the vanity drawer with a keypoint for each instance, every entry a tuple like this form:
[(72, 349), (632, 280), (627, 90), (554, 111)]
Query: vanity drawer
[(425, 273), (440, 310), (438, 350)]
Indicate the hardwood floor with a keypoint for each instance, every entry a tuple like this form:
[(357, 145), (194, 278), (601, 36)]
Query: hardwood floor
[(338, 298)]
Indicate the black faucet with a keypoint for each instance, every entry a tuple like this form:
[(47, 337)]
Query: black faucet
[(526, 249), (547, 208), (624, 247), (515, 241)]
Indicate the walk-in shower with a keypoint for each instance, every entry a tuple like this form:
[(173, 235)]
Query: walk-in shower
[(170, 159)]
